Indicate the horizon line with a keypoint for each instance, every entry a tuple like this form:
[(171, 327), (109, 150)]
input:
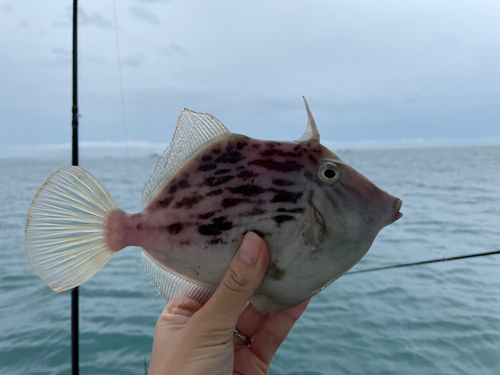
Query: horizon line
[(146, 148)]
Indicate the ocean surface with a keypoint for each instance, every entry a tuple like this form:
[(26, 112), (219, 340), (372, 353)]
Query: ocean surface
[(432, 319)]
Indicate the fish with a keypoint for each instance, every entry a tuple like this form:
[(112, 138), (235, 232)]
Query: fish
[(317, 215)]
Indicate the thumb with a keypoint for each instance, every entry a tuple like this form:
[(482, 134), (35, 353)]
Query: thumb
[(240, 282)]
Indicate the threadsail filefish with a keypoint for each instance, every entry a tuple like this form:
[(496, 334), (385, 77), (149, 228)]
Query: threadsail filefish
[(317, 215)]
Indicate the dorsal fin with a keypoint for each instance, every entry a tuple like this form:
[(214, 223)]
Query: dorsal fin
[(311, 132), (193, 131)]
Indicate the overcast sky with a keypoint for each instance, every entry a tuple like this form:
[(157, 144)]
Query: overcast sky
[(385, 73)]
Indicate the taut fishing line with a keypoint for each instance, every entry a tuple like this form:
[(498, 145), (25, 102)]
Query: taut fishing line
[(122, 97), (425, 262)]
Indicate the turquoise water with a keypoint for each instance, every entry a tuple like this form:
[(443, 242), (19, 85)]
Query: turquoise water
[(432, 319)]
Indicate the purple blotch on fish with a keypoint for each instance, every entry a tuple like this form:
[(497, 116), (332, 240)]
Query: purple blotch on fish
[(283, 182), (278, 152), (247, 174), (241, 145), (231, 202), (247, 190), (215, 192), (206, 215), (222, 171), (286, 196), (188, 202), (175, 228), (282, 218), (165, 202), (291, 210), (216, 181), (207, 167), (219, 225), (287, 166), (230, 157), (313, 159)]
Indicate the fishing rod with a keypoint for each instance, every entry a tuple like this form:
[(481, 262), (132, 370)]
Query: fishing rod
[(74, 125), (425, 262), (75, 365)]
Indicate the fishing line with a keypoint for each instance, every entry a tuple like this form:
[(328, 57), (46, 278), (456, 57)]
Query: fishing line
[(122, 97), (425, 262)]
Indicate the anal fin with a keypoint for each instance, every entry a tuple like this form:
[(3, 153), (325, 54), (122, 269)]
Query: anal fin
[(173, 289)]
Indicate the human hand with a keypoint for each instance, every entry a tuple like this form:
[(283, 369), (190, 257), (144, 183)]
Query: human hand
[(191, 339)]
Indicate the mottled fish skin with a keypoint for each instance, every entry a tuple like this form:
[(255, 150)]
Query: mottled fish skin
[(237, 184), (317, 215)]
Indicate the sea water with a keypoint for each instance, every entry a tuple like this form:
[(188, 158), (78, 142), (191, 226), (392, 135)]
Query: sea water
[(432, 319)]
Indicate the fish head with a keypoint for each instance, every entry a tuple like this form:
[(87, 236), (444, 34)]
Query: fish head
[(345, 210), (348, 202)]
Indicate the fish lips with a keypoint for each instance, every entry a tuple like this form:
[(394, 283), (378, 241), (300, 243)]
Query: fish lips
[(397, 206)]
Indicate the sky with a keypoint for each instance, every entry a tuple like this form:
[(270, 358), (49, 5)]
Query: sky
[(376, 74)]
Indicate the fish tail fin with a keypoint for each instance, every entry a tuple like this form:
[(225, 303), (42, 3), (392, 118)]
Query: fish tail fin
[(66, 228)]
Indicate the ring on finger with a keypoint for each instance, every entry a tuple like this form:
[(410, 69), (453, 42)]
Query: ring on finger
[(242, 337)]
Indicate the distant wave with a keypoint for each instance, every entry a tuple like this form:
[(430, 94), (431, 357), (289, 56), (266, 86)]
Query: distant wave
[(88, 148), (145, 148), (411, 143)]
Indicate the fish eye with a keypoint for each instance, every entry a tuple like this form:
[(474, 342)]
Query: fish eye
[(329, 173)]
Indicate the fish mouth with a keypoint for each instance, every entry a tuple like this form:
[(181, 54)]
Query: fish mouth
[(397, 206)]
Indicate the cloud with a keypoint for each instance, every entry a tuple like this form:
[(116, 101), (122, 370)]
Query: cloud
[(60, 57), (61, 51), (96, 60), (173, 49), (84, 19), (61, 24), (435, 78), (134, 61), (144, 14), (6, 8), (445, 41), (93, 19), (64, 19), (23, 24)]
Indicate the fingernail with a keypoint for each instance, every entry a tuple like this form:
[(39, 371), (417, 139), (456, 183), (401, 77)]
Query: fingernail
[(250, 248)]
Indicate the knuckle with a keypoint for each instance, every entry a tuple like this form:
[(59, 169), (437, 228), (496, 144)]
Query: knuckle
[(290, 316), (236, 281), (208, 332), (272, 338)]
